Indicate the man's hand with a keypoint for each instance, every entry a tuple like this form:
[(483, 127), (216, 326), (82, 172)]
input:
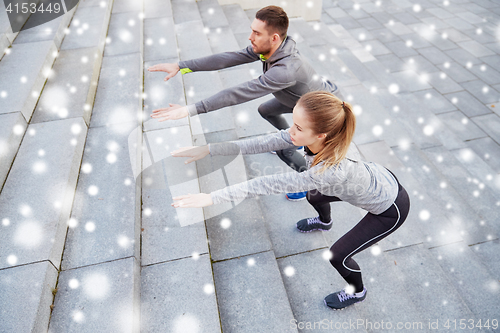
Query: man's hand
[(196, 153), (173, 112), (171, 68), (193, 201)]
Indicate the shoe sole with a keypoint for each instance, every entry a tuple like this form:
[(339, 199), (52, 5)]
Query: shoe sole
[(324, 301), (293, 200), (306, 231)]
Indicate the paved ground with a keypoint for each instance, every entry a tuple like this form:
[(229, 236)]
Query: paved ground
[(89, 242)]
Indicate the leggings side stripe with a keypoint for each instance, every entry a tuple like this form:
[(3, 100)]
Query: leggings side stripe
[(357, 270)]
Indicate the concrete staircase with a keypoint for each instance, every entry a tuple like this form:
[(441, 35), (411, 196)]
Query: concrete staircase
[(90, 243)]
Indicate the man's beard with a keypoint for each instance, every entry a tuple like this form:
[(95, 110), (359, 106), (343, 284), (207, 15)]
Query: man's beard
[(262, 51)]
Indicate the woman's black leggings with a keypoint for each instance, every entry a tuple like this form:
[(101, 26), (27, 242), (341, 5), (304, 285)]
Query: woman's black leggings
[(371, 229)]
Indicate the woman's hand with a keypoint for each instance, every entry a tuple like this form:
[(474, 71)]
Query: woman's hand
[(173, 112), (193, 201), (196, 153)]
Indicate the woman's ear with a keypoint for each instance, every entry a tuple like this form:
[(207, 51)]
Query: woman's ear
[(322, 136)]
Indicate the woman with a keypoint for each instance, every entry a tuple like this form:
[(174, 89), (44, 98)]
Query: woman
[(324, 125)]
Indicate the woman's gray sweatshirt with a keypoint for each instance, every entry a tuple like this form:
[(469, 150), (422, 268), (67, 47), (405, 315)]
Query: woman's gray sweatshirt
[(287, 76), (363, 184)]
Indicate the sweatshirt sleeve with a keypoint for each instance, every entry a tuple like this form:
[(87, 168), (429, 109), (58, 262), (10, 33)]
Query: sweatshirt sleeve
[(261, 144), (289, 182), (219, 61), (275, 79)]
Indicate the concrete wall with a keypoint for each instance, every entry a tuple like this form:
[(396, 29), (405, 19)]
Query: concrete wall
[(310, 10)]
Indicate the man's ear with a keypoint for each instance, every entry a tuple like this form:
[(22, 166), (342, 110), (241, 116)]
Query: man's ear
[(276, 38)]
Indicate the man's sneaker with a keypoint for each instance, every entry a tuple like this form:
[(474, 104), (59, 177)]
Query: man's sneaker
[(298, 148), (296, 196), (313, 223), (341, 299)]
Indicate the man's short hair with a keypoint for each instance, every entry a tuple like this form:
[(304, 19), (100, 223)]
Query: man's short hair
[(275, 18)]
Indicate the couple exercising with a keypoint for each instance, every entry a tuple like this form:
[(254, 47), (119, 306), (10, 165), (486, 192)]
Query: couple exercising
[(323, 124)]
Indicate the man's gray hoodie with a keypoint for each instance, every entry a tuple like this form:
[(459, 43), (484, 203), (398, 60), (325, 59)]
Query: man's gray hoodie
[(287, 76)]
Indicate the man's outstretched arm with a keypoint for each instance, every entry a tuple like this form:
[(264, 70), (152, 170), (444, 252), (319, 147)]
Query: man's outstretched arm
[(208, 63), (273, 80)]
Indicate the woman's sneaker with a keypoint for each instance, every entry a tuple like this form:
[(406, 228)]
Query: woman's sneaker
[(296, 196), (341, 299), (313, 223)]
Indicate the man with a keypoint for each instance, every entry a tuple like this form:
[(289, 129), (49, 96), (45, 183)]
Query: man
[(286, 75)]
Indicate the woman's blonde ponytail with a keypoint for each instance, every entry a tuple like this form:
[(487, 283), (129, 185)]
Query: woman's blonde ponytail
[(335, 118)]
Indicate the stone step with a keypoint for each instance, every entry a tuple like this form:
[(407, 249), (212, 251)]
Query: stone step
[(89, 26), (157, 8), (229, 235), (415, 230), (179, 296), (26, 294), (7, 37), (12, 129), (374, 121), (71, 89), (35, 223), (487, 253), (185, 11), (423, 278), (490, 124), (54, 30), (193, 43), (106, 185), (309, 278), (368, 69), (238, 20), (169, 233), (464, 218), (127, 6), (488, 150), (480, 197), (48, 160), (160, 41), (222, 39), (354, 58), (192, 40), (118, 99), (28, 65), (459, 123), (98, 297), (212, 14), (334, 68), (387, 299), (125, 34), (249, 289), (470, 278), (422, 126), (312, 35), (158, 94), (479, 169)]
